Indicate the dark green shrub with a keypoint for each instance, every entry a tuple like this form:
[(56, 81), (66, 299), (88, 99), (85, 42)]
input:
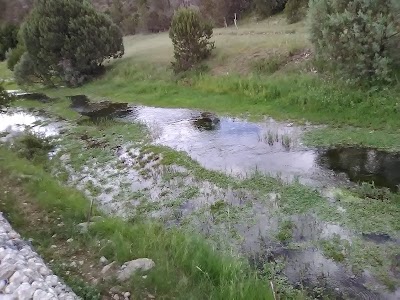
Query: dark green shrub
[(25, 71), (14, 56), (70, 40), (32, 147), (354, 38), (269, 65), (296, 10), (266, 8), (8, 39), (190, 36), (5, 98)]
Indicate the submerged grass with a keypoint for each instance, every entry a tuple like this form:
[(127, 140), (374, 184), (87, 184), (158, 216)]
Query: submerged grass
[(194, 270)]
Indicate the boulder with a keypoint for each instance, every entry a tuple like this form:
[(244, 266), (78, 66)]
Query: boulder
[(206, 121), (134, 266), (98, 110)]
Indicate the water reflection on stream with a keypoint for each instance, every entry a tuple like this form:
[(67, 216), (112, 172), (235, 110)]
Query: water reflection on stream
[(239, 147)]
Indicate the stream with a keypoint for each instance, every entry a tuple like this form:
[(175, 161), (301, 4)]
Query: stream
[(240, 148)]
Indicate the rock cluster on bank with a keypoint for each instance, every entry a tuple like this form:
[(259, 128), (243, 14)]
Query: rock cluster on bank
[(23, 274)]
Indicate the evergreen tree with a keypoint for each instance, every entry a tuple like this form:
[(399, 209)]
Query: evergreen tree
[(70, 40), (190, 35), (358, 39), (8, 39)]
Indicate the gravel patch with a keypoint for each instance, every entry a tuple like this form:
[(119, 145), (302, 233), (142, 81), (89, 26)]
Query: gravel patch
[(23, 273)]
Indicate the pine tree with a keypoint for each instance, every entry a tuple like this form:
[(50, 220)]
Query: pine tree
[(190, 35), (69, 39)]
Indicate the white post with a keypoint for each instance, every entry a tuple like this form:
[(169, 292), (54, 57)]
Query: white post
[(235, 20)]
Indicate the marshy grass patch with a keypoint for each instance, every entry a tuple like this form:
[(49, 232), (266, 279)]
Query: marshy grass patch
[(186, 259)]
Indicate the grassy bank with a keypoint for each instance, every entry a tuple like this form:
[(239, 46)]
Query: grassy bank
[(186, 267), (261, 69)]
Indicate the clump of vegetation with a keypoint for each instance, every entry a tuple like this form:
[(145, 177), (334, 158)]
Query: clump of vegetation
[(190, 36), (25, 71), (285, 232), (5, 98), (335, 248), (356, 38), (70, 46), (217, 206), (8, 39), (269, 65), (296, 10), (32, 147), (14, 56), (369, 190)]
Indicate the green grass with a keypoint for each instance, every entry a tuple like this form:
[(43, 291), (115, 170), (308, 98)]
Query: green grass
[(194, 269), (285, 96), (285, 232), (335, 248), (6, 77), (381, 139)]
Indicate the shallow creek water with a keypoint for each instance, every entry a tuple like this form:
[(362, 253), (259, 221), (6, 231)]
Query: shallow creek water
[(239, 147)]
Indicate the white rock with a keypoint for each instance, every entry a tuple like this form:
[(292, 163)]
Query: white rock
[(70, 240), (44, 271), (52, 280), (11, 288), (116, 297), (131, 267), (127, 294), (39, 285), (103, 260), (6, 270), (84, 227), (18, 278), (25, 252), (52, 291), (107, 268), (24, 291), (67, 296), (9, 258), (41, 295), (13, 235), (31, 274)]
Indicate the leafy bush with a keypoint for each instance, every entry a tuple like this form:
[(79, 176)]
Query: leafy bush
[(8, 39), (355, 37), (190, 36), (71, 45), (296, 10), (14, 56)]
